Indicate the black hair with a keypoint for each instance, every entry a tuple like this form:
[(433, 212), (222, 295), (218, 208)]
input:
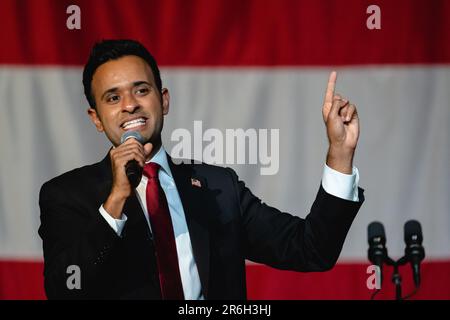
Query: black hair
[(107, 50)]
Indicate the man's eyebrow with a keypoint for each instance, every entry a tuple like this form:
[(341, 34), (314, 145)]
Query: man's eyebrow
[(138, 83), (134, 84)]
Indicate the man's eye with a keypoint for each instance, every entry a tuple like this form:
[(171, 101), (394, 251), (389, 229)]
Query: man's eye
[(142, 91), (113, 98)]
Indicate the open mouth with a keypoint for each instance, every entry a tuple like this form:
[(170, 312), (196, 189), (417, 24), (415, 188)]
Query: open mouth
[(133, 124)]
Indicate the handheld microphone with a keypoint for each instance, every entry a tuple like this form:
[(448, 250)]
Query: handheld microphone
[(377, 245), (414, 250), (132, 168)]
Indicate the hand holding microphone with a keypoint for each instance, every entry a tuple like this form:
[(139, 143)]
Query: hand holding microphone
[(127, 161)]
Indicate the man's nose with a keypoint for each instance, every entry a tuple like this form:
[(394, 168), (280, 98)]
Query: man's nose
[(130, 104)]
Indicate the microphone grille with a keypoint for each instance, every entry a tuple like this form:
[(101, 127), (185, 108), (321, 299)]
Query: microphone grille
[(413, 231), (132, 134), (375, 229)]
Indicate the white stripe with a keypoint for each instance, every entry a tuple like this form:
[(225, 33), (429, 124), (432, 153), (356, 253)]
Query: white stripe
[(402, 157)]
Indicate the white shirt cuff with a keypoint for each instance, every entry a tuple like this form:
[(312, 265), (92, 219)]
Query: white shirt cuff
[(116, 224), (341, 185)]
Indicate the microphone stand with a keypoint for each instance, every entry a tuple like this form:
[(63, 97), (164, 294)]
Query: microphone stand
[(396, 277)]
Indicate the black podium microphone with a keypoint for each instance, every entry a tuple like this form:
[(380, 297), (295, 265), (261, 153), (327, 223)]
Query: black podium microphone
[(414, 250), (132, 168), (377, 245)]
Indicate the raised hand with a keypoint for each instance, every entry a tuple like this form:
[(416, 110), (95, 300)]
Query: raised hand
[(342, 123)]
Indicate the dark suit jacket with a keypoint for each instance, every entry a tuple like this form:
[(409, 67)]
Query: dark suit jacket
[(227, 224)]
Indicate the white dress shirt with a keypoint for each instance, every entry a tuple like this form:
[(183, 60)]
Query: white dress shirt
[(341, 185), (188, 268)]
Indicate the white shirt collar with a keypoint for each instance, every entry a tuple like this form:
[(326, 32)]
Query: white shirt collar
[(160, 158)]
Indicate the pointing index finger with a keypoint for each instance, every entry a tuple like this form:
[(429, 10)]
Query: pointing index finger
[(329, 94)]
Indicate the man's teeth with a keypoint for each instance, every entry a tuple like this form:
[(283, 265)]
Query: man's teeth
[(133, 123)]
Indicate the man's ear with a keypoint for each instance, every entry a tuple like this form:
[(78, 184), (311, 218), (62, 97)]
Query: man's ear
[(95, 119), (165, 100)]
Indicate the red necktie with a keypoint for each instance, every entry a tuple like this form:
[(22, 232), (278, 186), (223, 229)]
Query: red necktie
[(166, 250)]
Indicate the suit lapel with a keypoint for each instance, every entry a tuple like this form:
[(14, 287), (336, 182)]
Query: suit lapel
[(195, 208)]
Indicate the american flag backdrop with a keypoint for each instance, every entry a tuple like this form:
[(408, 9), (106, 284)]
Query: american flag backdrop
[(260, 64)]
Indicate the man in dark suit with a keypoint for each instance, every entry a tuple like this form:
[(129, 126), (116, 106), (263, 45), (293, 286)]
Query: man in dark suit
[(185, 231)]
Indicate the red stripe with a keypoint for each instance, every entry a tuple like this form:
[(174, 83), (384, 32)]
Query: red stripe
[(24, 280), (345, 281), (232, 32), (20, 280)]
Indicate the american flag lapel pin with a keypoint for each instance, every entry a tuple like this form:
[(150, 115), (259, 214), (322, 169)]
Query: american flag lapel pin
[(196, 183)]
